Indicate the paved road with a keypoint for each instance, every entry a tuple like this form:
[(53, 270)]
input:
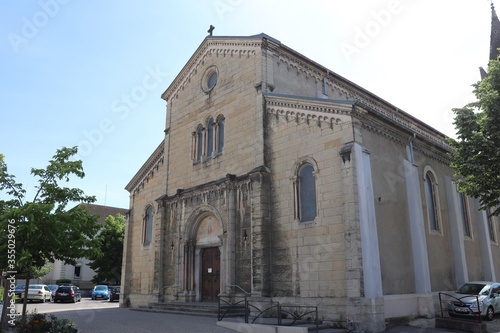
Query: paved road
[(98, 316), (122, 320)]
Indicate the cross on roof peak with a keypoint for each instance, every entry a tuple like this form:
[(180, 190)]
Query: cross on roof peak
[(211, 29)]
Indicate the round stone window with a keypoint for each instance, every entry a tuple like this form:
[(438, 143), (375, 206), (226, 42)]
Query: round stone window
[(210, 78)]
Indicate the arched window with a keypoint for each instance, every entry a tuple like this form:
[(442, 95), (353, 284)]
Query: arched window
[(491, 226), (148, 226), (432, 202), (306, 206), (220, 134), (199, 143), (210, 137), (464, 208)]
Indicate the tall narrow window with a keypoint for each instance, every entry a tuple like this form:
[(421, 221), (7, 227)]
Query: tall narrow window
[(210, 137), (78, 271), (199, 143), (432, 207), (220, 134), (491, 227), (464, 209), (306, 195), (148, 226)]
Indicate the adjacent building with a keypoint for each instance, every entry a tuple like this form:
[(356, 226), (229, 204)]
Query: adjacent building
[(81, 274)]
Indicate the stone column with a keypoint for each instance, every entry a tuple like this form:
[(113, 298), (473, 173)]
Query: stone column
[(372, 276), (456, 233), (127, 260), (417, 229), (483, 233), (229, 242)]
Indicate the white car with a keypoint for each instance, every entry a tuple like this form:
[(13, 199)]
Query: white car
[(476, 298), (38, 292)]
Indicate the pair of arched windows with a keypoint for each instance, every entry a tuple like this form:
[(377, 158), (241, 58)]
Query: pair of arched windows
[(305, 203), (208, 141), (147, 226)]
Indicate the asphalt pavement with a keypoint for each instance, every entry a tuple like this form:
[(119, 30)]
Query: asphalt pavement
[(125, 320)]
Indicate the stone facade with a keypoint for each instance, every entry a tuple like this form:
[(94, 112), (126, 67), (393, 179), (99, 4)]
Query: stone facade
[(245, 116)]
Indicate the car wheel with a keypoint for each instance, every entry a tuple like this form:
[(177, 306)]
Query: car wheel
[(490, 314), (43, 299), (74, 299)]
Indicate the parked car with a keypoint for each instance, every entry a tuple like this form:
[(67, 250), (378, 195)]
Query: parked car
[(38, 292), (67, 293), (114, 293), (53, 288), (19, 290), (100, 291), (476, 298)]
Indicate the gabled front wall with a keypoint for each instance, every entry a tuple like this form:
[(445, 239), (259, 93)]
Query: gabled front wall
[(236, 96)]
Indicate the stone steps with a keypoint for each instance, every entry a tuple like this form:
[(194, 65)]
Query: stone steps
[(235, 315), (191, 309)]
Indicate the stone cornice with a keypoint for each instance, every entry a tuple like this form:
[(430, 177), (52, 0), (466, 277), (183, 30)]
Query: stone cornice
[(217, 188), (218, 47), (147, 169), (393, 131), (314, 110)]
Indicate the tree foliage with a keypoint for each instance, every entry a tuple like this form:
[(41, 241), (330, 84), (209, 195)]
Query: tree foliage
[(107, 263), (42, 230), (476, 151)]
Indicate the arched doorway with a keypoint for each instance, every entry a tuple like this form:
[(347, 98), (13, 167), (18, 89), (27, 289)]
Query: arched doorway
[(202, 257)]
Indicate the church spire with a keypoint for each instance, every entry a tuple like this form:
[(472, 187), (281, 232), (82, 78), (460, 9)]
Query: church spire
[(495, 34), (494, 39)]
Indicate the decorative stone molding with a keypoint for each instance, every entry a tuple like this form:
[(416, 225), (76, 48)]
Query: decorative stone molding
[(147, 170), (345, 152), (311, 111), (222, 47)]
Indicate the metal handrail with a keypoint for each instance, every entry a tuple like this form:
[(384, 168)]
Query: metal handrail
[(474, 313), (248, 306), (236, 286)]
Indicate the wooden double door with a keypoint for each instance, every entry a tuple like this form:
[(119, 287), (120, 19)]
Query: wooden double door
[(210, 276)]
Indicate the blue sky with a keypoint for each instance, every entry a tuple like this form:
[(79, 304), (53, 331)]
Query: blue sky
[(90, 73)]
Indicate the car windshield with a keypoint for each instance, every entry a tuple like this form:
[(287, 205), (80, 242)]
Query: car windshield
[(101, 288), (20, 286), (474, 289), (35, 287)]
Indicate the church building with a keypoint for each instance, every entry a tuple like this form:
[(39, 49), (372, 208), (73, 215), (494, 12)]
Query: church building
[(280, 178)]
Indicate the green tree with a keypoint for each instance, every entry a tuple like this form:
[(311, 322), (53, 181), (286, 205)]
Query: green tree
[(476, 151), (107, 263), (43, 230)]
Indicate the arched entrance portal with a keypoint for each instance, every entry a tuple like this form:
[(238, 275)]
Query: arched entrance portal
[(202, 257)]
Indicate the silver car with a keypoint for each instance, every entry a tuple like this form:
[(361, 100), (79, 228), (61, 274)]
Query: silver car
[(474, 294), (38, 292)]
